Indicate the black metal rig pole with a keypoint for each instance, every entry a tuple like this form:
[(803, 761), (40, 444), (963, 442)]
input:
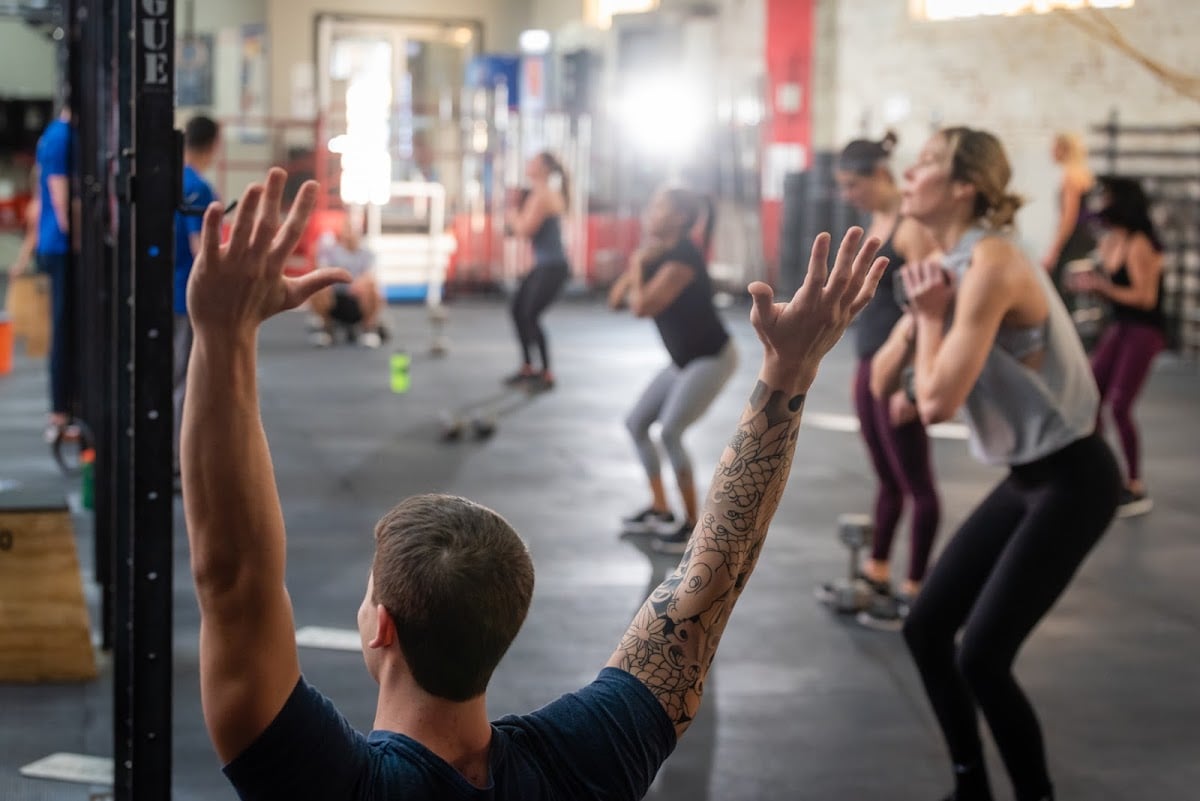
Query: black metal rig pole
[(145, 43)]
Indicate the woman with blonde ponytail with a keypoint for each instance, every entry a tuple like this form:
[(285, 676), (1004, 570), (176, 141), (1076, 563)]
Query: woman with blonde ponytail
[(1072, 237), (986, 331)]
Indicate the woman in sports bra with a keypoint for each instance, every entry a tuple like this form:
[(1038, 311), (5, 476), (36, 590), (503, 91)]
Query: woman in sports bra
[(987, 332), (1130, 278), (893, 433), (540, 219)]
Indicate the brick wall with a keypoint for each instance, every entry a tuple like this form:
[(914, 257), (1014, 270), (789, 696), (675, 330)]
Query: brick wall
[(1022, 77)]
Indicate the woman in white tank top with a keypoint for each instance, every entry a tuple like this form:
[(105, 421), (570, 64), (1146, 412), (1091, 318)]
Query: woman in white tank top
[(986, 332)]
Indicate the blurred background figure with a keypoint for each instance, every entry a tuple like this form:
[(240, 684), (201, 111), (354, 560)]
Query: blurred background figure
[(357, 305), (1130, 277), (539, 218), (1072, 237), (896, 441), (201, 139)]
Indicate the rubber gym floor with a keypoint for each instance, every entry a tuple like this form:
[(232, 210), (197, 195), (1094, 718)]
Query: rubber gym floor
[(800, 704)]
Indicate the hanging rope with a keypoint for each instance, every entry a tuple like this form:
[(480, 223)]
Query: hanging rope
[(1098, 26)]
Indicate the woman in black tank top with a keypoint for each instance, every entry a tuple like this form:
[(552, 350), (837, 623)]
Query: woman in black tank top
[(1130, 278), (538, 217), (895, 438), (668, 281)]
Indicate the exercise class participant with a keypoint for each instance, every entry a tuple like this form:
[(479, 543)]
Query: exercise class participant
[(1072, 236), (451, 581), (540, 219), (201, 137), (54, 152), (667, 279), (357, 304), (1001, 346), (894, 435), (1131, 278)]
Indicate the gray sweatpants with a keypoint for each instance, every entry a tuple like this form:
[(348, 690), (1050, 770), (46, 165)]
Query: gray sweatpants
[(183, 351), (676, 398)]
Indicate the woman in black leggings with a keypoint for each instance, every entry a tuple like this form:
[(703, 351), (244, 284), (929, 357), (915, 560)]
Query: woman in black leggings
[(540, 219), (986, 331)]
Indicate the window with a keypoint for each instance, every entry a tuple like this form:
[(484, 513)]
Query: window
[(957, 9), (600, 12)]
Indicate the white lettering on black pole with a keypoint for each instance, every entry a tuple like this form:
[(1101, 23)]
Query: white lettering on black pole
[(155, 54)]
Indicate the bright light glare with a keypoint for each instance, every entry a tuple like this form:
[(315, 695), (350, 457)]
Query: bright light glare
[(366, 165), (534, 42), (663, 117), (956, 9)]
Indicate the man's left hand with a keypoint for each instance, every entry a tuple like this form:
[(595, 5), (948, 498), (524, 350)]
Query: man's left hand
[(236, 286)]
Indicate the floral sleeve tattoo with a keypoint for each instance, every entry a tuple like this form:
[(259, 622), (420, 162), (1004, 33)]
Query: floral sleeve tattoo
[(672, 640)]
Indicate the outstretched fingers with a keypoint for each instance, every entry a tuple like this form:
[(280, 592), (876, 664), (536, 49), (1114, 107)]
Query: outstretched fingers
[(210, 235), (304, 287), (297, 220), (870, 284), (267, 222), (244, 219), (842, 279), (818, 267)]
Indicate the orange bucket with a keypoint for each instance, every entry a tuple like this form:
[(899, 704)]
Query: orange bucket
[(6, 344)]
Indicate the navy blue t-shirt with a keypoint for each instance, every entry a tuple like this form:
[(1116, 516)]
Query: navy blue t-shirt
[(606, 741), (199, 195)]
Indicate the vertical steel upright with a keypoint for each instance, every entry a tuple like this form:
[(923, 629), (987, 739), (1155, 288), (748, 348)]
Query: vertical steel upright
[(148, 166)]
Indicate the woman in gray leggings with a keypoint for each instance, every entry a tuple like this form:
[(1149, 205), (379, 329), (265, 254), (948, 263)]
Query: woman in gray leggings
[(668, 280)]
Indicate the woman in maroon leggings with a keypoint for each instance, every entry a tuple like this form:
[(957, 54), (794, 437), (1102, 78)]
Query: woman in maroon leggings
[(1131, 276), (894, 436)]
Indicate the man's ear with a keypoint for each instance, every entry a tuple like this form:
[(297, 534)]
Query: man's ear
[(385, 629)]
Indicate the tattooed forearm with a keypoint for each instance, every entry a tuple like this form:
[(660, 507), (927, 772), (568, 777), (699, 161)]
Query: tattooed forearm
[(674, 636)]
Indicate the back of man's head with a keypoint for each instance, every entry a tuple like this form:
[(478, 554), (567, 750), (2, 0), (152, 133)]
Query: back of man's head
[(200, 135), (456, 580)]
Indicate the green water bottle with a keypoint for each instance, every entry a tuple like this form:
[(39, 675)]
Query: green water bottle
[(400, 377), (87, 465)]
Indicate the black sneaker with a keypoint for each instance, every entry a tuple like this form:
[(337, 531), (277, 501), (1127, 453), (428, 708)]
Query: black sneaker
[(675, 542), (829, 592), (649, 521), (885, 612), (1133, 503), (519, 378)]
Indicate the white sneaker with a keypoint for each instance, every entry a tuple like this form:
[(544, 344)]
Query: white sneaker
[(371, 340), (321, 339)]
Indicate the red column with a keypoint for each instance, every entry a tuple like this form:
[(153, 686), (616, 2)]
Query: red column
[(788, 133)]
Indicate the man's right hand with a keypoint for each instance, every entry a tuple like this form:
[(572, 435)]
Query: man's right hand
[(797, 335)]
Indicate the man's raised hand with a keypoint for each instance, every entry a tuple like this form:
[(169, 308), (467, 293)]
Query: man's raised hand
[(797, 335), (236, 286)]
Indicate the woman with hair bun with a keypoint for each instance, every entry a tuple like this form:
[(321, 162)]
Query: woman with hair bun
[(893, 433), (986, 331), (1130, 278)]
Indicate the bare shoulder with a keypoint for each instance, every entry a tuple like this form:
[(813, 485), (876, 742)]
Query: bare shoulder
[(999, 269)]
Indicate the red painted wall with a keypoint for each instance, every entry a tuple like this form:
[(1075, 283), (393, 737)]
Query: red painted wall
[(789, 57)]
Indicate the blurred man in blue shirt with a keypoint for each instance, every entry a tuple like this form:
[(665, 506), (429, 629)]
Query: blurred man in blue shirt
[(54, 155), (201, 138)]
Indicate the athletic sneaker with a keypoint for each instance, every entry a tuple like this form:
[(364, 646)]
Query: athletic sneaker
[(518, 378), (1133, 503), (885, 612), (321, 339), (540, 382), (828, 592), (649, 521), (675, 542), (370, 340)]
